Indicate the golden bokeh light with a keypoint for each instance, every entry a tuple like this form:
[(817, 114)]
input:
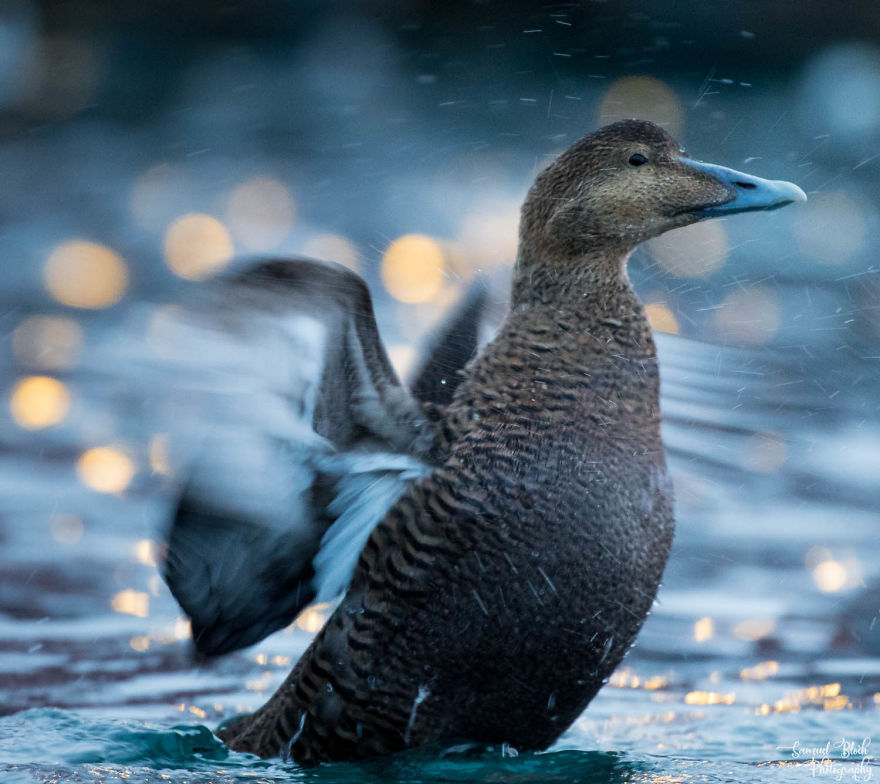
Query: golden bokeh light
[(312, 618), (764, 452), (836, 703), (694, 251), (105, 469), (815, 555), (754, 629), (709, 698), (260, 213), (333, 247), (459, 262), (827, 697), (644, 97), (830, 576), (85, 274), (624, 678), (488, 237), (261, 683), (828, 690), (833, 572), (38, 402), (197, 246), (704, 629), (403, 358), (749, 315), (131, 602), (412, 268), (47, 342), (830, 228), (160, 462), (661, 318), (144, 552), (139, 642), (761, 671), (66, 528)]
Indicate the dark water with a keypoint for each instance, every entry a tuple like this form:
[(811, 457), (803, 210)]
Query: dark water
[(762, 648)]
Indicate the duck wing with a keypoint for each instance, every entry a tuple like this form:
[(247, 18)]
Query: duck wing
[(304, 438), (368, 483)]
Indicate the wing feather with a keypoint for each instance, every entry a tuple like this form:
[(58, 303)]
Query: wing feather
[(295, 392)]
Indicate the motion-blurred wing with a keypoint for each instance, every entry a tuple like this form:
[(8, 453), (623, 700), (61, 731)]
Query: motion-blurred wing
[(718, 401), (300, 420)]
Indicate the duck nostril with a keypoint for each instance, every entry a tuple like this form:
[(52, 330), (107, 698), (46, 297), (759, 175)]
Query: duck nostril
[(749, 186)]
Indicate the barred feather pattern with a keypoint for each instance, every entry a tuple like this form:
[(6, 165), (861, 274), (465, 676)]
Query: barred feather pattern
[(500, 592)]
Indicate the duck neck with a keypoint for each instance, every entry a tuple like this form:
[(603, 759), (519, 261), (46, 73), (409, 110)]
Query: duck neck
[(591, 280), (588, 294), (576, 349)]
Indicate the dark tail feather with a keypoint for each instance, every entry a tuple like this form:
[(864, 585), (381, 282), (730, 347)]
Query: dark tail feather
[(453, 347)]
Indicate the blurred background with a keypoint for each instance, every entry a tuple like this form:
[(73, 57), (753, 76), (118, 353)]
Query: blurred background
[(145, 147)]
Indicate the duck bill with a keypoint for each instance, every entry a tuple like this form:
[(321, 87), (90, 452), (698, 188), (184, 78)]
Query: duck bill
[(749, 193)]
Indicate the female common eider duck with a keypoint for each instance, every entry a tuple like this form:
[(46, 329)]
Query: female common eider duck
[(498, 546)]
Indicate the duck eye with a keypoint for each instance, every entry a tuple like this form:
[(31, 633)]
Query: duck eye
[(637, 160)]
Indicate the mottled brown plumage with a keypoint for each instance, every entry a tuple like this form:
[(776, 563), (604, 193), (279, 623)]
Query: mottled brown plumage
[(499, 593)]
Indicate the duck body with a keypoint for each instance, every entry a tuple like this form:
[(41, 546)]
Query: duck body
[(505, 583), (529, 576)]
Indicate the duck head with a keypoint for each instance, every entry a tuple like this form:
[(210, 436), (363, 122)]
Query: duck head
[(626, 183)]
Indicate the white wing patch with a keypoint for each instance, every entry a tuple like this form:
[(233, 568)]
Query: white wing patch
[(251, 383), (369, 485)]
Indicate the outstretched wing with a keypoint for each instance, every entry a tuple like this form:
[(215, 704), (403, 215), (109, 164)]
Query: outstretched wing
[(300, 424)]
